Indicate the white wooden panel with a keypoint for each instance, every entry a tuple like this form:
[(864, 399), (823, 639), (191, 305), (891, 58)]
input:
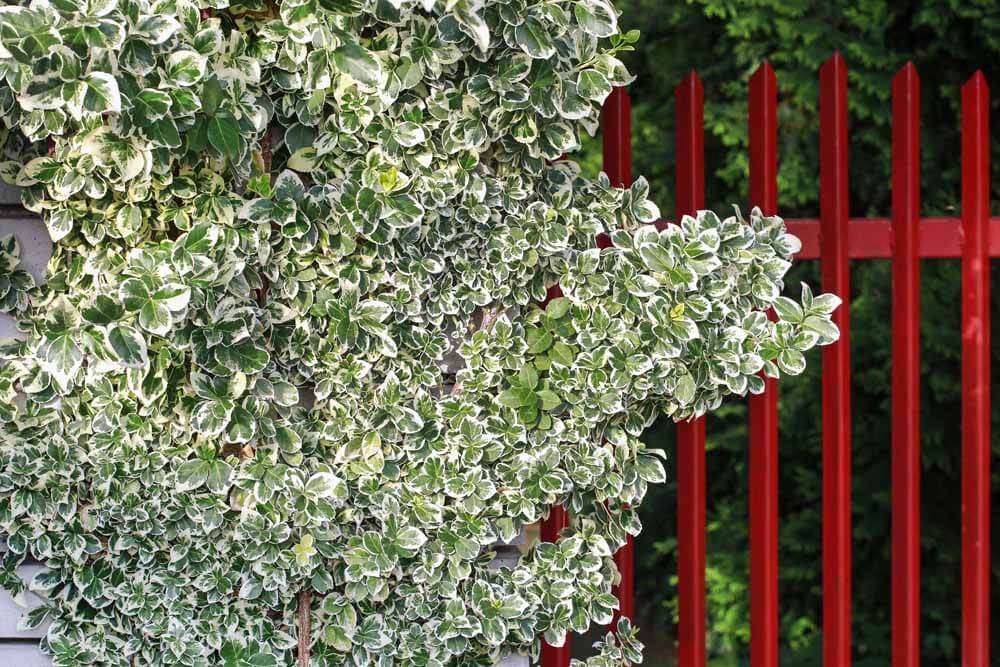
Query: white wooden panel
[(24, 654), (9, 194), (11, 612), (36, 248)]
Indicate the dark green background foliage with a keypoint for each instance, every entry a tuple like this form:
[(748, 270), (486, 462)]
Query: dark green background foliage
[(725, 40)]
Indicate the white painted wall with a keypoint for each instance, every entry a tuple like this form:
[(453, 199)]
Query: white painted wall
[(19, 648)]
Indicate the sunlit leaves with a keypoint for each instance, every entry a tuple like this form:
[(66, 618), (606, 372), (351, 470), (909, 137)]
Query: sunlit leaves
[(292, 337), (129, 346), (352, 59), (186, 68), (102, 94)]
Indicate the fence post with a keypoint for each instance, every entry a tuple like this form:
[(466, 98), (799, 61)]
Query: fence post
[(906, 368), (975, 374), (764, 407), (690, 196), (836, 367), (616, 128)]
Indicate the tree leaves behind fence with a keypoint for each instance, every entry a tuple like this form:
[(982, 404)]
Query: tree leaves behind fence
[(725, 40)]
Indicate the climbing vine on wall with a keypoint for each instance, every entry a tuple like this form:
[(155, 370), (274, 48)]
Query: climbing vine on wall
[(288, 381)]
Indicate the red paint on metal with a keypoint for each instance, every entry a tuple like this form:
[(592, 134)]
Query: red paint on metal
[(616, 133), (764, 407), (625, 590), (975, 374), (616, 129), (836, 367), (871, 238), (690, 194), (906, 368), (555, 656)]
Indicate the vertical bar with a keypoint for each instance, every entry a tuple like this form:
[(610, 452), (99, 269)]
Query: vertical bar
[(764, 407), (616, 129), (690, 194), (906, 368), (975, 374), (836, 367), (555, 656)]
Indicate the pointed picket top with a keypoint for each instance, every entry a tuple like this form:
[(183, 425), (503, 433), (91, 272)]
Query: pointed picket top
[(906, 80), (976, 87), (834, 67), (763, 139), (763, 77), (690, 85)]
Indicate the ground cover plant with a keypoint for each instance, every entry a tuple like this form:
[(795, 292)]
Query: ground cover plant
[(293, 372)]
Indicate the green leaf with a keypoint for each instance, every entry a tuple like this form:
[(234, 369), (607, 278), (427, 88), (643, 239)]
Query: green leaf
[(105, 310), (224, 135), (351, 59), (250, 359), (562, 353), (164, 133), (597, 17), (510, 398), (186, 68), (191, 475), (557, 308), (133, 294), (550, 400), (349, 7), (532, 36), (149, 106), (472, 23), (102, 94), (685, 389), (656, 258), (242, 426), (61, 356), (217, 476), (593, 85), (155, 318), (128, 345), (408, 420), (528, 377), (410, 539)]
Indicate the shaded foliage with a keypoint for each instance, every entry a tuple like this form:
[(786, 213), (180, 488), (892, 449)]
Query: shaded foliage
[(725, 40)]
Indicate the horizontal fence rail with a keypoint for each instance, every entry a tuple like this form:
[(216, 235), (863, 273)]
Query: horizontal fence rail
[(834, 239)]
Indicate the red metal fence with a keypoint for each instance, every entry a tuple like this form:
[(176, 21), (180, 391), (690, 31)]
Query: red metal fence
[(834, 239)]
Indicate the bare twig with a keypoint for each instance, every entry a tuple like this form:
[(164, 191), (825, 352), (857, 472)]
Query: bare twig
[(490, 315), (305, 631)]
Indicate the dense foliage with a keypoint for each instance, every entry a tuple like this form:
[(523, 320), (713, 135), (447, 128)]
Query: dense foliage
[(244, 406), (725, 40)]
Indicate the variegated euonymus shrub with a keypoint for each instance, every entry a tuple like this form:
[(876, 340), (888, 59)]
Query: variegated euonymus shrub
[(234, 422)]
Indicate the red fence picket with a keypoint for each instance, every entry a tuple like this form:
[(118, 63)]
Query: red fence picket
[(835, 238), (833, 206), (617, 135), (906, 368), (764, 407), (555, 656), (975, 374), (690, 188)]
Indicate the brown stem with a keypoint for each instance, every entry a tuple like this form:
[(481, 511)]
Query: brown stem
[(490, 315), (265, 158), (305, 605)]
